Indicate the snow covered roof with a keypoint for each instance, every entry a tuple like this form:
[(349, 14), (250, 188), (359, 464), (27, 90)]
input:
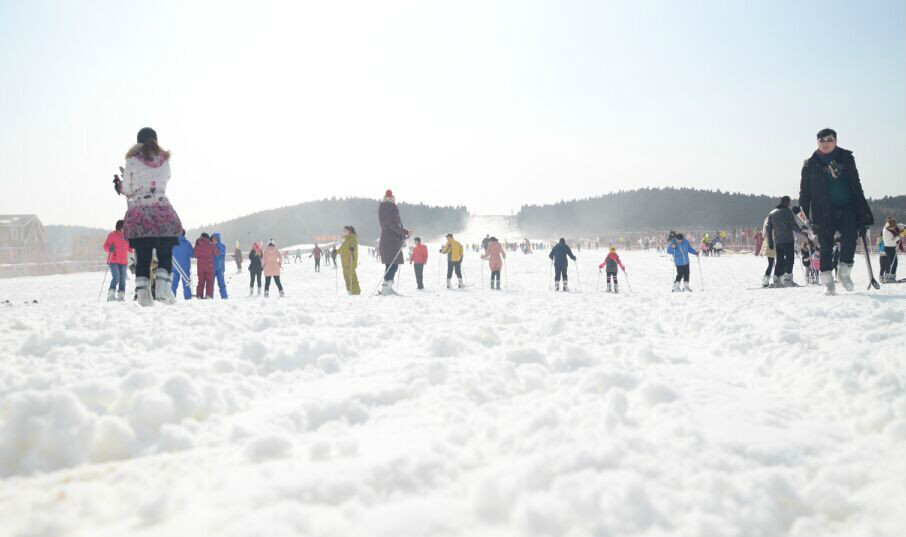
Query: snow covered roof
[(17, 219)]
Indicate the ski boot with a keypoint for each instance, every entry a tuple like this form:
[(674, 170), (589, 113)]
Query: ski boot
[(556, 286), (609, 288), (460, 284), (449, 285), (777, 282), (121, 296), (281, 293), (143, 292), (827, 278), (565, 287), (259, 291), (267, 293), (845, 272), (111, 295), (615, 289), (787, 280), (686, 287), (765, 281), (163, 287), (676, 287), (387, 289), (251, 291)]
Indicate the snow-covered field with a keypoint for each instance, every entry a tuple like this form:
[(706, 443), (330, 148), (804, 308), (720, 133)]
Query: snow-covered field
[(723, 412)]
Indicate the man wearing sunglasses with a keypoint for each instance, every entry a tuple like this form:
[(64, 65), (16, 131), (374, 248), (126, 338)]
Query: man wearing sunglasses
[(831, 196)]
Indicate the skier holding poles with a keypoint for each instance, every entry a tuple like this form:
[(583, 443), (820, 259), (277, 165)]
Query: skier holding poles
[(560, 255), (680, 249), (495, 255), (455, 253), (392, 242), (831, 196), (611, 262), (183, 253)]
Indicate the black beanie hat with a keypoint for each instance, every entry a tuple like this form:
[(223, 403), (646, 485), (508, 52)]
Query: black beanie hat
[(827, 132), (146, 134)]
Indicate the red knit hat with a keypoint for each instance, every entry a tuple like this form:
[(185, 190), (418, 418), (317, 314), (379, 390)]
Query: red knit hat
[(388, 194)]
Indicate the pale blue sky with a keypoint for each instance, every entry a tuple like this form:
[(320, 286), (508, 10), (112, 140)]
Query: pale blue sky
[(490, 104)]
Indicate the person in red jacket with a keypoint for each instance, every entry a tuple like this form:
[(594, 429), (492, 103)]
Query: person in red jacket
[(611, 263), (418, 259), (205, 252), (117, 248)]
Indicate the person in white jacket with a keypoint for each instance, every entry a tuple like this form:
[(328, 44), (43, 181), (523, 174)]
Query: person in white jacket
[(892, 243), (150, 222)]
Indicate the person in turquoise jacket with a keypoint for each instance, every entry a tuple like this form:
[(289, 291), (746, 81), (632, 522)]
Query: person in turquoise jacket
[(680, 249), (183, 252), (220, 264)]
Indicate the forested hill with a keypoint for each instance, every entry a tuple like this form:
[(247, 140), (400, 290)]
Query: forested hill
[(304, 222), (665, 208)]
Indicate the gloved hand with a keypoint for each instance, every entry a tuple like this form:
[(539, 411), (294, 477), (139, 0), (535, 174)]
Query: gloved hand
[(112, 248)]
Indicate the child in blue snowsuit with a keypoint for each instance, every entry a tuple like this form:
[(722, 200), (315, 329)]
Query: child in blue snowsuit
[(183, 252), (680, 249), (220, 264)]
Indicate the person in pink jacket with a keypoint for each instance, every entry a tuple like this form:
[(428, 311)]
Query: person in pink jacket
[(205, 252), (610, 264), (273, 262), (495, 256), (117, 248)]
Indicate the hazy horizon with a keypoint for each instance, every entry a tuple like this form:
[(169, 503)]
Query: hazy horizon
[(490, 106)]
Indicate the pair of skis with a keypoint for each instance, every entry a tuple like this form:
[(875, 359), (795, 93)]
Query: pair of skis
[(863, 233)]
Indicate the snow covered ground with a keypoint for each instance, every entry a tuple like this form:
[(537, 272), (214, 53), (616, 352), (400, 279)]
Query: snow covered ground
[(723, 412)]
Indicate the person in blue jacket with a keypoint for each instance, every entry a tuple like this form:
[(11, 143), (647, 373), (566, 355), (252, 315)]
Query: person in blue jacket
[(183, 252), (559, 254), (220, 264), (680, 249)]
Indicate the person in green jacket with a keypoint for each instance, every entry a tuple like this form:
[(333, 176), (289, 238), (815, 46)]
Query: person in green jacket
[(349, 258)]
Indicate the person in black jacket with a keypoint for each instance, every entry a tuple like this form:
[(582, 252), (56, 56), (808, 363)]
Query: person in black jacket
[(830, 194), (255, 268), (559, 254)]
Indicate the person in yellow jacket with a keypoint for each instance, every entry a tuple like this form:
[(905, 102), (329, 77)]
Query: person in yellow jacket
[(349, 258), (454, 252)]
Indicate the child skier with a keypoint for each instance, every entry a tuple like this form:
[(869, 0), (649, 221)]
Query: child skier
[(680, 249), (495, 255), (117, 248), (611, 262)]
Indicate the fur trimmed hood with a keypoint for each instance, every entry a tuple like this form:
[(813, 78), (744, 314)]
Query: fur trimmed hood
[(156, 161)]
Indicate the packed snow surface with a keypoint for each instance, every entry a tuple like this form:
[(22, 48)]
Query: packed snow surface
[(728, 411)]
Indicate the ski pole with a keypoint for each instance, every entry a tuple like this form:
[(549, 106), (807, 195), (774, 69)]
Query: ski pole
[(629, 285), (597, 280), (701, 275), (336, 280), (376, 287), (578, 274), (550, 277), (482, 273), (101, 292)]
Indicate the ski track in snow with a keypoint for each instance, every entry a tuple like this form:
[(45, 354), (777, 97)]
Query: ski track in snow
[(722, 412)]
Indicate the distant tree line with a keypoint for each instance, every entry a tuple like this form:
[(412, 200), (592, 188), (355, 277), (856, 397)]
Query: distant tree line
[(665, 208), (305, 222)]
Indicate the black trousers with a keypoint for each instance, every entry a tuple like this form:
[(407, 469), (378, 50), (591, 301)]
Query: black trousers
[(770, 267), (317, 264), (454, 266), (613, 275), (889, 265), (143, 248), (255, 276), (495, 275), (420, 275), (267, 282), (560, 272), (843, 219), (390, 272), (682, 273), (786, 258)]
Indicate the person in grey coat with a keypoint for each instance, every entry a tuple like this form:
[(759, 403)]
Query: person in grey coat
[(781, 226), (393, 238)]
